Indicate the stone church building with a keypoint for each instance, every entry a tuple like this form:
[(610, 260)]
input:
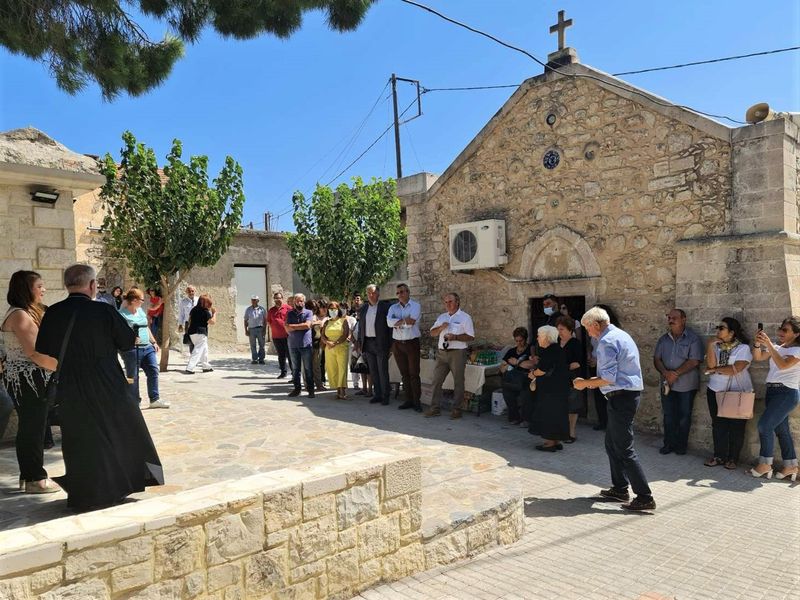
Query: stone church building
[(611, 194)]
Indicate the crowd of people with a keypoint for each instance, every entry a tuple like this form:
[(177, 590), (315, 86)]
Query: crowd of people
[(108, 452)]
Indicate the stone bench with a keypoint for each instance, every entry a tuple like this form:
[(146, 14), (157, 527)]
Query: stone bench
[(329, 531)]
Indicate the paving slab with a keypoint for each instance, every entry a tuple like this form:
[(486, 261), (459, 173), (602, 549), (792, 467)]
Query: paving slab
[(715, 534)]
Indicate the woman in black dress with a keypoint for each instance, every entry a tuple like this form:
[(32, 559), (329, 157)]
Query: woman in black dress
[(515, 374), (574, 355), (550, 415)]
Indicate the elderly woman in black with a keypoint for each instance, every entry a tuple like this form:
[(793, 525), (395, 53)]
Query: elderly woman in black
[(573, 352), (514, 369), (550, 414)]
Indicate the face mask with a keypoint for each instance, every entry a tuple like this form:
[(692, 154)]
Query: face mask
[(333, 314), (549, 311)]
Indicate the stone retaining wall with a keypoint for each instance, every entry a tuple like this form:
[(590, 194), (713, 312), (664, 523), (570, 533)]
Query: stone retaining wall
[(326, 532)]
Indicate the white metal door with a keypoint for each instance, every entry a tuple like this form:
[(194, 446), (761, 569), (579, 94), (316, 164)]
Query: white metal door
[(248, 281)]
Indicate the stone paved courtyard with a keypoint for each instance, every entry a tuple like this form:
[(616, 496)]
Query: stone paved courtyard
[(716, 533)]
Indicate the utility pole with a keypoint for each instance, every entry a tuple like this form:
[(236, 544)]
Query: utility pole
[(397, 122), (396, 128)]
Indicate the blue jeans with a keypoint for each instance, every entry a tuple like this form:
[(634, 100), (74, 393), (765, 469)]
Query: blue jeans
[(144, 357), (622, 457), (256, 335), (302, 357), (677, 409), (780, 401)]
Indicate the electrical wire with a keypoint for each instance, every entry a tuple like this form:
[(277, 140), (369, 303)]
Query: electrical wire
[(564, 73)]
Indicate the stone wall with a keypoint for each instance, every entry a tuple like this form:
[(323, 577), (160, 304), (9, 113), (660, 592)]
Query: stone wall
[(327, 532), (633, 179), (35, 236)]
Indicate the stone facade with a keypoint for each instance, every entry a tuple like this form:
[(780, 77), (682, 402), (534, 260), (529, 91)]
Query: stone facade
[(650, 206), (327, 532)]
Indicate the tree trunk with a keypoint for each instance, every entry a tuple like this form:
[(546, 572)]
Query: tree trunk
[(167, 320)]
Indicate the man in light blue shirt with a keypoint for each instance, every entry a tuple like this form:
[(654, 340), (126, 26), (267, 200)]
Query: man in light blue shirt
[(403, 318), (255, 319), (619, 377)]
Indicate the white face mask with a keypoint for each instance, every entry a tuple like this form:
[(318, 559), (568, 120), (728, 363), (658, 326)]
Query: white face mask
[(333, 314), (549, 310)]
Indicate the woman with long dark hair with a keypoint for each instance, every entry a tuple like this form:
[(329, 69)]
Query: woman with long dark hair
[(783, 381), (25, 374), (200, 317), (728, 359)]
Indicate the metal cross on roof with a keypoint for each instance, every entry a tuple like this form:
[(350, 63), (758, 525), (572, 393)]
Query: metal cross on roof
[(560, 27)]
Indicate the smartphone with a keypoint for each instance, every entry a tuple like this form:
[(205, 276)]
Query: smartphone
[(761, 327)]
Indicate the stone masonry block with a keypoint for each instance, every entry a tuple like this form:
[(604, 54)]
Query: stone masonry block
[(55, 258), (347, 539), (663, 183), (446, 549), (343, 572), (265, 573), (233, 536), (223, 576), (53, 217), (406, 561), (283, 508), (17, 588), (179, 551), (194, 584), (91, 589), (403, 477), (314, 540), (358, 504), (131, 576), (378, 537), (106, 558), (370, 572), (30, 558), (324, 484), (319, 506), (303, 572), (165, 590), (45, 578), (482, 534)]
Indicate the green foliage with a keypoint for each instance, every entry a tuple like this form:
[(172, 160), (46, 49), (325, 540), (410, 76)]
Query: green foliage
[(348, 238), (83, 40), (165, 228)]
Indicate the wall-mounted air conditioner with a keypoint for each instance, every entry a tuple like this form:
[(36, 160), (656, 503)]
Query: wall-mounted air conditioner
[(478, 245)]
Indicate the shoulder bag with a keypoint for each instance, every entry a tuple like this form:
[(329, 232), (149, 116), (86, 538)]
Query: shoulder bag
[(51, 391), (735, 405)]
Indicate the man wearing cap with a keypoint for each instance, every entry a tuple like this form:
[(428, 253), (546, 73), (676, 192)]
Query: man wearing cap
[(255, 318)]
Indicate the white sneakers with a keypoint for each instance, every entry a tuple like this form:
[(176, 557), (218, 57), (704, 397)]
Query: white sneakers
[(159, 404)]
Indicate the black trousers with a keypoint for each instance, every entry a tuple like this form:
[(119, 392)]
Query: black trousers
[(378, 363), (282, 346), (728, 433), (622, 458), (32, 410)]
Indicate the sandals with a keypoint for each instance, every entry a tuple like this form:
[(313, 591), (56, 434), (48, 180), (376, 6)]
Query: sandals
[(730, 465), (43, 486), (715, 462)]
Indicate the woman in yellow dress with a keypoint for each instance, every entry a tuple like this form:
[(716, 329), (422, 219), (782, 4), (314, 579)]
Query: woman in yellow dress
[(335, 333)]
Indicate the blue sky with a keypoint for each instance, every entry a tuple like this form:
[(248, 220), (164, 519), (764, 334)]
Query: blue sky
[(286, 109)]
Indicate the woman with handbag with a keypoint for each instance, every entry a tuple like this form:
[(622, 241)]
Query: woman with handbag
[(515, 374), (200, 317), (783, 381), (25, 375), (728, 359)]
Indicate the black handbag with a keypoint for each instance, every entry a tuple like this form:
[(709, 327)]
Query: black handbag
[(51, 391)]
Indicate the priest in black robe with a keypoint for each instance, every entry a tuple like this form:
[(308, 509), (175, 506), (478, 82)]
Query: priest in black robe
[(108, 451)]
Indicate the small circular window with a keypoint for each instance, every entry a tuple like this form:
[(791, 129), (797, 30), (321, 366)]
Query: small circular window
[(465, 246), (551, 159)]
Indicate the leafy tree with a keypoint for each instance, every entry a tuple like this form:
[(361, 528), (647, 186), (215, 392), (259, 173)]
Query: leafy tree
[(347, 238), (165, 227), (82, 40)]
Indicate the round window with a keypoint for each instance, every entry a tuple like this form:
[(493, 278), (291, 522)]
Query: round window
[(465, 246), (551, 159)]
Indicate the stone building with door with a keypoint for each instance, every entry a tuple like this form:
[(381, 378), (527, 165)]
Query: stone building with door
[(610, 194)]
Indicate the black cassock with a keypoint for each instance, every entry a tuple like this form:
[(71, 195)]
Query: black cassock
[(108, 451)]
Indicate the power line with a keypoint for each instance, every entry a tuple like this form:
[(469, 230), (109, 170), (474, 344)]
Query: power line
[(564, 73), (706, 62)]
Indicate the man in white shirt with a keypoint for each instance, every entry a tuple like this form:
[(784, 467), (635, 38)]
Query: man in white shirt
[(375, 342), (455, 330), (255, 319), (403, 318), (185, 307)]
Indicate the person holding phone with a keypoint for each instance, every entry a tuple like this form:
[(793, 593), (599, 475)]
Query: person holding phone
[(783, 396)]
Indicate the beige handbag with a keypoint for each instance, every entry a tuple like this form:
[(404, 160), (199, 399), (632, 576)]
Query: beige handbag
[(735, 405)]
